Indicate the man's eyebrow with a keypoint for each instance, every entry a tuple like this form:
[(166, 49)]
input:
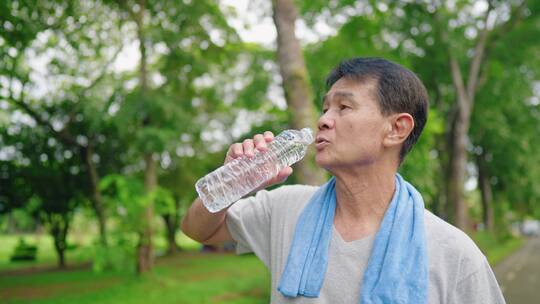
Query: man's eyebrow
[(346, 95)]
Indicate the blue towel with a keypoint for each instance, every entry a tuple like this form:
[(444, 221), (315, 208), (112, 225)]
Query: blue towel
[(397, 270)]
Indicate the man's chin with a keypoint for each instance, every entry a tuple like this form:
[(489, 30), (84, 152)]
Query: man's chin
[(322, 162)]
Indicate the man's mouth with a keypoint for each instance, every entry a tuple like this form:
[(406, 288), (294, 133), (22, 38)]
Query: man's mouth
[(321, 142), (321, 139)]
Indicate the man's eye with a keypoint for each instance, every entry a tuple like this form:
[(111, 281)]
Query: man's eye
[(324, 110), (343, 107)]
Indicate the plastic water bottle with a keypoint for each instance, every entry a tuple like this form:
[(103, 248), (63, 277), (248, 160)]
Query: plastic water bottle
[(239, 177)]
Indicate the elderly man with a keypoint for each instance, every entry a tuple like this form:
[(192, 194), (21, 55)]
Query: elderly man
[(364, 236)]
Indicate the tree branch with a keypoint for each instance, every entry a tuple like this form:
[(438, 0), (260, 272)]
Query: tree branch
[(455, 70), (63, 135), (457, 80), (516, 16), (476, 62), (94, 83)]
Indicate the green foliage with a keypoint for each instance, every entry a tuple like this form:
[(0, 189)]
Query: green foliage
[(106, 119), (420, 165), (125, 196), (359, 37), (118, 256), (127, 200), (504, 114)]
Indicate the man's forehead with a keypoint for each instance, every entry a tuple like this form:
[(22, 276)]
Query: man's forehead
[(336, 94), (350, 89)]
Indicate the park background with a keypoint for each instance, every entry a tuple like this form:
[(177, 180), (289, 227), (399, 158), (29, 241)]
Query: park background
[(111, 110)]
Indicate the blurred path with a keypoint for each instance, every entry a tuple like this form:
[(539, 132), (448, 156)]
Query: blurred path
[(519, 274)]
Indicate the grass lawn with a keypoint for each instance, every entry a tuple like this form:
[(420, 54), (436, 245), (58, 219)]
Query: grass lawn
[(496, 250), (500, 252), (189, 277), (185, 278)]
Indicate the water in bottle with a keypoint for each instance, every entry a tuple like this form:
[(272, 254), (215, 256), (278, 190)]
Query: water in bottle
[(239, 177)]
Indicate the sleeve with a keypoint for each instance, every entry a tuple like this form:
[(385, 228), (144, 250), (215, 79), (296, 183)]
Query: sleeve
[(479, 286), (248, 221)]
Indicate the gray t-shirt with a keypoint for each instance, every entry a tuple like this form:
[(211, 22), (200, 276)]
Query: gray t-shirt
[(265, 224)]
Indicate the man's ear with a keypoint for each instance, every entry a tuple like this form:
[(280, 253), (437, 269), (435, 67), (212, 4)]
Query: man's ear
[(400, 125)]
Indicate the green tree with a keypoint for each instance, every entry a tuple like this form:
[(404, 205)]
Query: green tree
[(505, 125), (187, 65), (46, 174), (471, 32), (76, 44)]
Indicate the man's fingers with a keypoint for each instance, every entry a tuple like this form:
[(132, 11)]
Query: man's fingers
[(260, 142), (284, 173), (268, 136), (248, 147), (237, 150)]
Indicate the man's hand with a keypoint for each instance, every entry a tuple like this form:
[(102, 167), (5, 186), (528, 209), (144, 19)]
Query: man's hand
[(249, 148), (210, 228)]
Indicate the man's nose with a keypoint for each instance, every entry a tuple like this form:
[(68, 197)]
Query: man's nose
[(325, 121)]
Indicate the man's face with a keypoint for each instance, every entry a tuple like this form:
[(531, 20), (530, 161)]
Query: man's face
[(351, 128)]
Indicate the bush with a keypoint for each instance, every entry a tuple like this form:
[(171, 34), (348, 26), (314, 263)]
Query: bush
[(71, 246), (24, 252), (118, 256)]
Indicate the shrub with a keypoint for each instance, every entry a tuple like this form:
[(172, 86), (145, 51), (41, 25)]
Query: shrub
[(24, 252)]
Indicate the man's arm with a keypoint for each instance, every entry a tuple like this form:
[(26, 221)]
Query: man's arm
[(210, 228), (205, 227)]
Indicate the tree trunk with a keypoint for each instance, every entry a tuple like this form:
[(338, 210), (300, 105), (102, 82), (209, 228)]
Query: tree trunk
[(59, 226), (440, 208), (456, 176), (145, 254), (486, 193), (171, 224), (96, 199), (439, 202), (465, 95), (456, 180), (296, 84), (145, 248), (61, 257)]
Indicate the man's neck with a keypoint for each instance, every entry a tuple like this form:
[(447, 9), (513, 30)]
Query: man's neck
[(362, 197)]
